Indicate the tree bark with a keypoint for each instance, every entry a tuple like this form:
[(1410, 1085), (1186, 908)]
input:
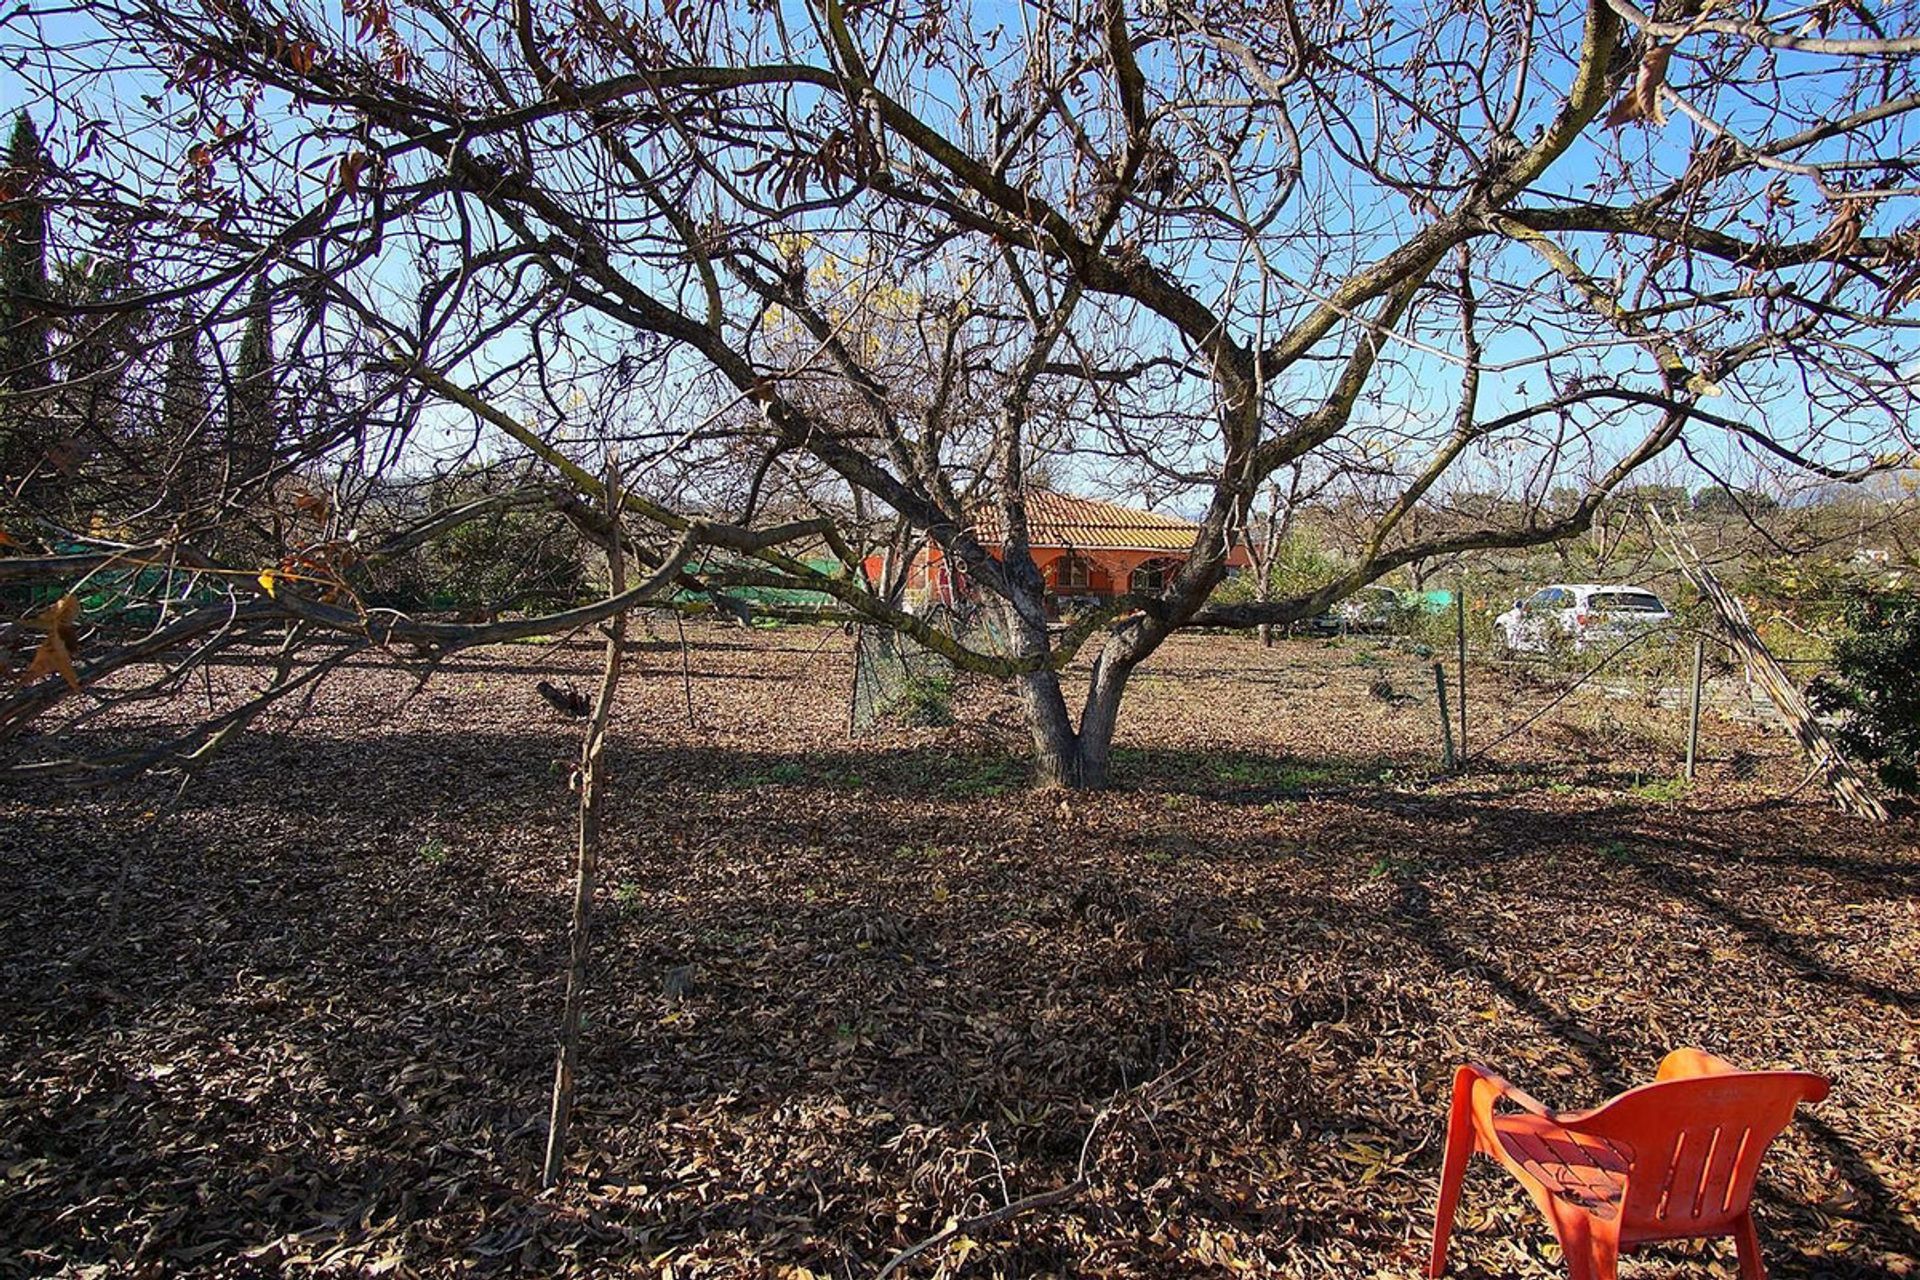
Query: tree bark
[(1056, 746), (1069, 758), (1099, 717)]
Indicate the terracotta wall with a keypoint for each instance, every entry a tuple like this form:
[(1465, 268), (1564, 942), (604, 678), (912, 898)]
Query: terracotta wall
[(1109, 573)]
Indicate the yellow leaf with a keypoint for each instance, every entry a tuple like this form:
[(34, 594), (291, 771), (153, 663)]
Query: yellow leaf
[(313, 504), (55, 654), (266, 580), (1641, 101)]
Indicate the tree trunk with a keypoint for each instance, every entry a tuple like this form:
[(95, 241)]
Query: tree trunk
[(1057, 760), (1263, 565), (1099, 718), (1068, 761), (1060, 755), (1063, 757), (1058, 763)]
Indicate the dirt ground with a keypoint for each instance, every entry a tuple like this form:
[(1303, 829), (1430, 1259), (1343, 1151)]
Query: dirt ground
[(301, 1021)]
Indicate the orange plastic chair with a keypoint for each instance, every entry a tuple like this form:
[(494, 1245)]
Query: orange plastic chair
[(1670, 1160)]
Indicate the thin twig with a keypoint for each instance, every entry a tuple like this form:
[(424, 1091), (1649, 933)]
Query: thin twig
[(1041, 1199), (971, 1226), (592, 784)]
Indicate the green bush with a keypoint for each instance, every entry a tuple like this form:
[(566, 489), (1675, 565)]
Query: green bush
[(1433, 626), (1300, 566), (1796, 596), (508, 560), (1874, 685), (923, 700)]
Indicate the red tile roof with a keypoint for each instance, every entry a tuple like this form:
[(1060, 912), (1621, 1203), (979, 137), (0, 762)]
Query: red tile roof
[(1087, 524)]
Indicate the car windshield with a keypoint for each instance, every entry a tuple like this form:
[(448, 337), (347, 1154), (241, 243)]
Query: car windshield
[(1626, 602)]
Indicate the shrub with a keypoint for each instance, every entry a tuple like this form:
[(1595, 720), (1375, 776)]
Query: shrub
[(507, 560), (923, 700), (1434, 626), (1301, 565), (1874, 685)]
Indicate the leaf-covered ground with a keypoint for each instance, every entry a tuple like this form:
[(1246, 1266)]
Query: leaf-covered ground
[(302, 1020)]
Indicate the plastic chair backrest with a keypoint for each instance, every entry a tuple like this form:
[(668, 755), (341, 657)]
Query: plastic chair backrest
[(1694, 1144)]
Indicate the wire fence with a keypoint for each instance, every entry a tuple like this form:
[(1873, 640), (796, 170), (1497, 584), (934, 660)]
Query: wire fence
[(898, 680), (1627, 685)]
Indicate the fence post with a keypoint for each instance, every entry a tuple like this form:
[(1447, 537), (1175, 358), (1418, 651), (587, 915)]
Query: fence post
[(1693, 707), (1451, 761), (1460, 634)]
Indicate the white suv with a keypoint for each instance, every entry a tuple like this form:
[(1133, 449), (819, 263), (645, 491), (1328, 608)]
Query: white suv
[(1579, 614)]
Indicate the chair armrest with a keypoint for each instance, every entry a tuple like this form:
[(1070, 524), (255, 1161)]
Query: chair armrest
[(1688, 1064), (1490, 1086)]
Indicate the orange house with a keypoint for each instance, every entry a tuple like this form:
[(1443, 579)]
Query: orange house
[(1089, 552)]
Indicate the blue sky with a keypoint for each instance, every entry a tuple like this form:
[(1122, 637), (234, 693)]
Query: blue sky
[(1422, 388)]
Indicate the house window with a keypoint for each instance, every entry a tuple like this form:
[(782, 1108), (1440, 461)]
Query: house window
[(1150, 578), (1075, 574)]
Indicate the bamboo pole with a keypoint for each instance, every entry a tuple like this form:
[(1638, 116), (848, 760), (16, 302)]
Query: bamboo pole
[(1763, 669), (592, 778), (686, 670)]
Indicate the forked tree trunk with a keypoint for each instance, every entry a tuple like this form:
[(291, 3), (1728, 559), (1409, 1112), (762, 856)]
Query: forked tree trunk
[(1065, 757), (1056, 747)]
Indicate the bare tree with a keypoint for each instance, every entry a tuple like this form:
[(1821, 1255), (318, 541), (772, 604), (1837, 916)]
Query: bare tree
[(881, 263)]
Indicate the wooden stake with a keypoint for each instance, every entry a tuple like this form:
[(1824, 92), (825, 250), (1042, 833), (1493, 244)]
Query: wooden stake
[(592, 777), (1460, 635), (853, 697), (1451, 761), (686, 669), (1693, 708)]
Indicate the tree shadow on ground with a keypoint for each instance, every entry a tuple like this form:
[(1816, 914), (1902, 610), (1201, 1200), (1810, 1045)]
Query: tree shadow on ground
[(331, 1009), (1660, 862)]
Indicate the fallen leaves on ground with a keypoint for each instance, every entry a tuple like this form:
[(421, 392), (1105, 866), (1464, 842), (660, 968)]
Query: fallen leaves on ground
[(903, 988)]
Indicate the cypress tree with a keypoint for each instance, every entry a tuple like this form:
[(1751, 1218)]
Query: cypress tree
[(253, 425), (93, 356), (184, 399), (185, 404), (23, 282)]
